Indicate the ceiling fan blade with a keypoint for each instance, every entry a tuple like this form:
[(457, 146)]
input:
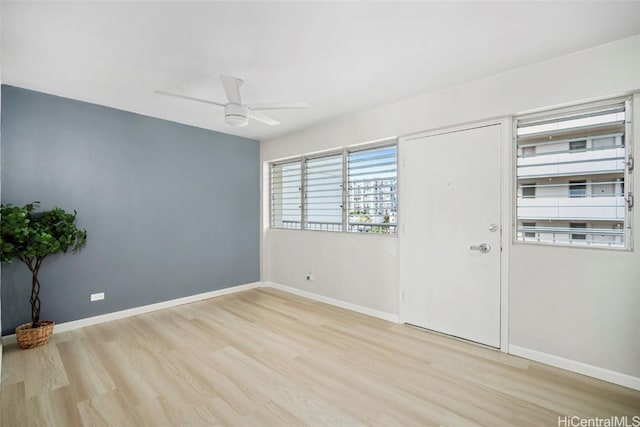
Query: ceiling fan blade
[(191, 98), (262, 118), (278, 106), (232, 88)]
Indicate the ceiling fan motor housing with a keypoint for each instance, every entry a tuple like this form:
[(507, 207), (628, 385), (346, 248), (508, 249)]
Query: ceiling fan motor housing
[(236, 115)]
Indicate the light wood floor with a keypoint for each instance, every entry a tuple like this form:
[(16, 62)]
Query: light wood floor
[(264, 357)]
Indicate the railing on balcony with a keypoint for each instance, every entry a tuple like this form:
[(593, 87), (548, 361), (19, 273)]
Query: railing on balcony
[(357, 227), (374, 228), (572, 162), (596, 208), (313, 225), (610, 237)]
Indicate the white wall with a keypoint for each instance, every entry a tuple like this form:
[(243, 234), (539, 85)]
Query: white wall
[(358, 269), (582, 305)]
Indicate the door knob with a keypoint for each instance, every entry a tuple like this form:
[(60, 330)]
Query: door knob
[(482, 247)]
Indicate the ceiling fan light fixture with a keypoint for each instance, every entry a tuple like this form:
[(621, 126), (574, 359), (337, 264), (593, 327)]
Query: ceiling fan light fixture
[(236, 115), (236, 121)]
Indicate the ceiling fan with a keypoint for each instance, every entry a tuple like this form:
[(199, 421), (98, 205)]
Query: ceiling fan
[(236, 113)]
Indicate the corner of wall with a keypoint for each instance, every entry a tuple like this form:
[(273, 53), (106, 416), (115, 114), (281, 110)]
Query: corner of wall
[(1, 349)]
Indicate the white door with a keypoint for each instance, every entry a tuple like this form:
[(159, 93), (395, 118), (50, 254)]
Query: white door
[(450, 238)]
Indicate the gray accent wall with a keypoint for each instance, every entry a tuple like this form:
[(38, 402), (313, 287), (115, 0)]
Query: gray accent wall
[(170, 210)]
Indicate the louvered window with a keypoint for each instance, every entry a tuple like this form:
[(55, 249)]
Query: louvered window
[(573, 175), (353, 190), (286, 195), (373, 190), (323, 193)]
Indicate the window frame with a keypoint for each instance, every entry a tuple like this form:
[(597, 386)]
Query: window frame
[(578, 188), (347, 176), (532, 224), (627, 184), (577, 226), (303, 162), (528, 186), (344, 152), (583, 145), (271, 166)]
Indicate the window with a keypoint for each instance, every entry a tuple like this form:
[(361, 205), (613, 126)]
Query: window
[(286, 195), (619, 187), (323, 193), (573, 175), (578, 145), (354, 190), (529, 190), (576, 226), (528, 229), (372, 196), (578, 188), (603, 189), (529, 151), (604, 142)]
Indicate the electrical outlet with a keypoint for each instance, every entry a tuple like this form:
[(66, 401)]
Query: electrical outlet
[(97, 297), (310, 277)]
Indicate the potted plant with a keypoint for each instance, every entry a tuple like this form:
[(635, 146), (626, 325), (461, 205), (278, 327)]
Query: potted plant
[(31, 237)]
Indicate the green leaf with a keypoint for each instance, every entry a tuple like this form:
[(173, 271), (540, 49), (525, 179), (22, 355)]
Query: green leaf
[(27, 234)]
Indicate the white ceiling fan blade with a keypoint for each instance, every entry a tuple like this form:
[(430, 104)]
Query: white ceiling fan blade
[(232, 88), (278, 106), (264, 119), (191, 98)]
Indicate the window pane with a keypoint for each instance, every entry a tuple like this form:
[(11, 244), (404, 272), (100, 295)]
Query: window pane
[(578, 188), (529, 151), (286, 200), (577, 226), (577, 145), (323, 193), (571, 176), (529, 230), (529, 190), (373, 190)]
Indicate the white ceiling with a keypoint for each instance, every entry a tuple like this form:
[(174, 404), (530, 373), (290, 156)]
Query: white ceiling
[(340, 57)]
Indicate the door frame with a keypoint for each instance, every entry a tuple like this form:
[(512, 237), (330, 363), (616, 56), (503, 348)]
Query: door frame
[(506, 212)]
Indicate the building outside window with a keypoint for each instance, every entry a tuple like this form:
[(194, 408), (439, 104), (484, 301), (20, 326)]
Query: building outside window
[(529, 151), (578, 226), (323, 184), (529, 228), (354, 190), (577, 145), (286, 195), (578, 188), (529, 190), (573, 175), (373, 190)]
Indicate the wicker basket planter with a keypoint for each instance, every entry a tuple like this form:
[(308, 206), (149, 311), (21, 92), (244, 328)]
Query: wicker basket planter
[(29, 337)]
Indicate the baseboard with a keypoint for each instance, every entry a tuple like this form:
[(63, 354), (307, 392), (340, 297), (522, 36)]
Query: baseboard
[(81, 323), (338, 303), (579, 367)]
